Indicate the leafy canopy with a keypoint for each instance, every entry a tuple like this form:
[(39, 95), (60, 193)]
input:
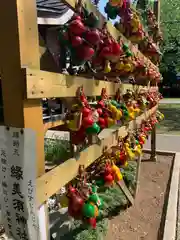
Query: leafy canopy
[(170, 25)]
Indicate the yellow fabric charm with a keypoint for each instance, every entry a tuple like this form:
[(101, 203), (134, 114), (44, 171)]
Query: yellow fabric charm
[(138, 150), (129, 152), (107, 67), (117, 173)]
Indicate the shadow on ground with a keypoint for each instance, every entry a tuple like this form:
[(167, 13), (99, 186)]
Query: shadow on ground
[(171, 123)]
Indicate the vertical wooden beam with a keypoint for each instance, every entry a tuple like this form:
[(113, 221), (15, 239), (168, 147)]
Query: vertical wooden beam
[(18, 22), (137, 175), (19, 47), (157, 11), (153, 144), (153, 133)]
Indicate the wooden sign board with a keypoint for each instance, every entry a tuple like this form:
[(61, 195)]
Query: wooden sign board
[(17, 183)]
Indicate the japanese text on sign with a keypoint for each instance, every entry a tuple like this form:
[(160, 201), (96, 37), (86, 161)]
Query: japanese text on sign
[(17, 178)]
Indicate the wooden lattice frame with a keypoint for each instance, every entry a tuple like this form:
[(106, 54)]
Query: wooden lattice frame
[(23, 84)]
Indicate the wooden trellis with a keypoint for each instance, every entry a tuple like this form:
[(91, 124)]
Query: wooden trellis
[(24, 84)]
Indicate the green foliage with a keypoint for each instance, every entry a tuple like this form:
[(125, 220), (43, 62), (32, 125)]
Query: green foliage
[(129, 175), (56, 151), (170, 19), (93, 234), (170, 25)]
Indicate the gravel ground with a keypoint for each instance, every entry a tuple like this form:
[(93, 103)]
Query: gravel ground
[(143, 220)]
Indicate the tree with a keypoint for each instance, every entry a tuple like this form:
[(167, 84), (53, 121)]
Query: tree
[(170, 25), (170, 19)]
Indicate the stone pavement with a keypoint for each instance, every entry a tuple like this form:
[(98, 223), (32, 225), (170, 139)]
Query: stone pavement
[(170, 101), (165, 142)]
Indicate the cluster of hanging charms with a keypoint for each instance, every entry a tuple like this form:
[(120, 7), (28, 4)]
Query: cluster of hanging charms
[(127, 149), (87, 44), (86, 119), (153, 27), (131, 26), (84, 203), (83, 194), (107, 172), (92, 50)]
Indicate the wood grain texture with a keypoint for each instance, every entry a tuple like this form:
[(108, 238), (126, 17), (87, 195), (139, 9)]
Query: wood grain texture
[(53, 124), (42, 84), (126, 191), (20, 47)]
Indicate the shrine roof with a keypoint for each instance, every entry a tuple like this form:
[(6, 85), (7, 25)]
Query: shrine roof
[(54, 10)]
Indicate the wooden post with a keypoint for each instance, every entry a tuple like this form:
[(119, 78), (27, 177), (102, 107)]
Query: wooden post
[(126, 191), (153, 144), (19, 47), (137, 175), (153, 133), (157, 11)]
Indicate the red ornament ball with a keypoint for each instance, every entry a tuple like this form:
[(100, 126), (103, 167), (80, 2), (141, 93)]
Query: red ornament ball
[(85, 52), (93, 37), (77, 17), (108, 178), (101, 104), (85, 112), (141, 143), (122, 156), (107, 41), (116, 49), (100, 111), (108, 170), (92, 222), (76, 27), (87, 122), (102, 122), (106, 52), (76, 41), (106, 121)]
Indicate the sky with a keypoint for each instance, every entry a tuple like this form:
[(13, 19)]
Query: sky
[(102, 4)]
